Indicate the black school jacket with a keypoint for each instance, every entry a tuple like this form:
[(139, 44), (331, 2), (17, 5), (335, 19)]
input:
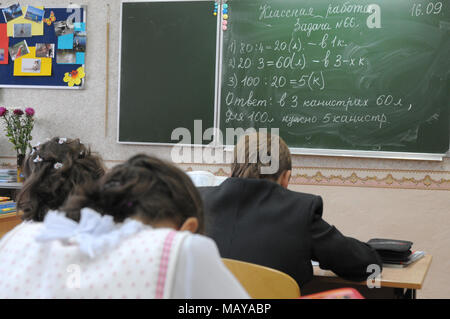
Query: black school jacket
[(261, 222)]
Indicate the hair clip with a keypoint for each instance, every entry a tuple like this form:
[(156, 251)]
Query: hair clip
[(37, 159), (62, 140), (58, 165)]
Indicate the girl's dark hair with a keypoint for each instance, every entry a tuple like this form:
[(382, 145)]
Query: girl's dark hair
[(144, 187), (51, 171)]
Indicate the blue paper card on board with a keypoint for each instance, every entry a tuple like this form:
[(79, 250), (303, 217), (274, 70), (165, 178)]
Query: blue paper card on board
[(65, 41), (80, 58), (79, 26)]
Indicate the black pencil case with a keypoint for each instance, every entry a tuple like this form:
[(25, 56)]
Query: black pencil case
[(391, 250)]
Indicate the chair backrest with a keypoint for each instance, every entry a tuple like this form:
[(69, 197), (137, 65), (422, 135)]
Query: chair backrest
[(263, 282)]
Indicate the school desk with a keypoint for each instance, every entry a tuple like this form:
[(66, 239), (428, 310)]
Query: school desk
[(397, 283), (8, 222)]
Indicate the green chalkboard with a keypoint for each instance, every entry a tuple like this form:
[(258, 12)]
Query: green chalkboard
[(369, 75), (167, 71)]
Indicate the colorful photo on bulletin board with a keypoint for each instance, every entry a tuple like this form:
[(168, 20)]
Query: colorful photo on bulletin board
[(43, 47)]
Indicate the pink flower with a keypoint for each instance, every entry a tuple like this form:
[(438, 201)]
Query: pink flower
[(18, 112), (29, 111), (3, 111)]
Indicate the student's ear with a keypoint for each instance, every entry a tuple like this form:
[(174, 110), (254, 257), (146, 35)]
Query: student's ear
[(284, 178), (191, 224)]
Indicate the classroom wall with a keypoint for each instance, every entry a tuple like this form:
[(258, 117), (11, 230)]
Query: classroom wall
[(364, 198)]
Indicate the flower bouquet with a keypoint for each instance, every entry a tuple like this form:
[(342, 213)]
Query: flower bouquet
[(18, 127)]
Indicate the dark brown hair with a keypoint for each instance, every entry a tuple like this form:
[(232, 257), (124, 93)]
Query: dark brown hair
[(51, 172), (247, 161), (144, 187)]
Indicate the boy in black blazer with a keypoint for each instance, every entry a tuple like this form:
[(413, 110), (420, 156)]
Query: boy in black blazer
[(253, 217)]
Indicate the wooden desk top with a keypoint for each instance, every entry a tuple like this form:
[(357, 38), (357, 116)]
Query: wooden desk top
[(411, 277), (8, 222)]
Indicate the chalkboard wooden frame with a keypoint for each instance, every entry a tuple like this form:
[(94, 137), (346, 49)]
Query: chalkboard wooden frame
[(300, 151)]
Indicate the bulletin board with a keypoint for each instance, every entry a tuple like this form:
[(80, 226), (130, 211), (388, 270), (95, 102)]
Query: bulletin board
[(42, 47)]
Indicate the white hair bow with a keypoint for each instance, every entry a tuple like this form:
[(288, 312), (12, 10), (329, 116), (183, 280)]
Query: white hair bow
[(38, 159), (94, 234)]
